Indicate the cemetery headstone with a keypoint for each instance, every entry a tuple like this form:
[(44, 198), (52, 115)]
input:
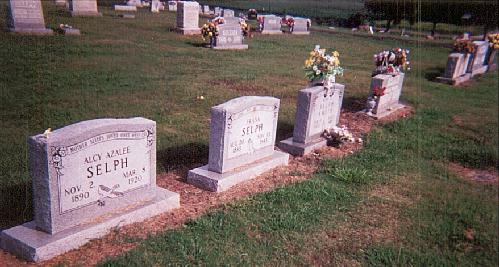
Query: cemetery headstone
[(135, 3), (231, 20), (478, 65), (300, 26), (218, 11), (125, 8), (155, 6), (206, 9), (226, 13), (26, 16), (188, 18), (492, 60), (317, 109), (389, 101), (242, 137), (88, 178), (455, 72), (60, 2), (272, 25), (84, 8), (230, 37), (172, 5)]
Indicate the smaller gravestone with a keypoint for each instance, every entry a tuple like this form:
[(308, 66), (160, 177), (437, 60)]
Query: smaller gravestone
[(218, 11), (125, 8), (300, 26), (455, 72), (135, 3), (188, 18), (227, 13), (26, 17), (242, 137), (60, 3), (172, 5), (230, 37), (491, 60), (88, 178), (206, 9), (272, 25), (479, 65), (318, 109), (84, 8), (388, 102), (155, 6)]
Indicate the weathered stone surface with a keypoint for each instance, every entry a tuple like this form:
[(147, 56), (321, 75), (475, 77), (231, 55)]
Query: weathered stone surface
[(188, 18), (84, 8), (31, 244), (172, 5), (272, 25), (318, 108), (218, 11), (300, 26), (155, 6), (478, 65), (60, 2), (455, 72), (227, 13), (230, 37), (231, 20), (206, 9), (242, 138), (135, 3), (26, 16), (125, 8), (389, 102)]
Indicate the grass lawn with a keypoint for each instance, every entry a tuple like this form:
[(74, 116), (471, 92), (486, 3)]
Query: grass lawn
[(125, 68)]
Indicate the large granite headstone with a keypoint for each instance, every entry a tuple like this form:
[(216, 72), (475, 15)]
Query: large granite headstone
[(242, 137), (226, 13), (88, 178), (455, 72), (230, 37), (26, 16), (272, 25), (172, 5), (300, 26), (84, 8), (317, 109), (188, 18), (479, 65), (389, 102)]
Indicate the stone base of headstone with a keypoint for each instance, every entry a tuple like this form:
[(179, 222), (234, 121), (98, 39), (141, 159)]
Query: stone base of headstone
[(231, 47), (271, 32), (185, 31), (32, 31), (300, 33), (479, 71), (85, 14), (217, 182), (301, 149), (33, 245), (124, 8), (386, 112), (128, 16), (455, 81)]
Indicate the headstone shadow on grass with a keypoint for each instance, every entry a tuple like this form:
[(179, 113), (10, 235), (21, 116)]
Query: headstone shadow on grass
[(183, 157), (432, 73), (18, 204), (353, 104), (284, 131), (196, 44)]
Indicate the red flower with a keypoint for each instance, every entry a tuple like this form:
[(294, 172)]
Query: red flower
[(379, 91)]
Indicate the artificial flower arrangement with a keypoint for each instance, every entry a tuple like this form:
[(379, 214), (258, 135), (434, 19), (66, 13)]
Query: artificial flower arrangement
[(392, 62), (245, 28), (209, 31), (464, 46), (494, 41), (320, 65)]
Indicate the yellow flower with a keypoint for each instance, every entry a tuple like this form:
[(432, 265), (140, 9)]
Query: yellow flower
[(210, 34), (336, 54)]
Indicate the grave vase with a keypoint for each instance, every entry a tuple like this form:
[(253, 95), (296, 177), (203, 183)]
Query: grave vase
[(326, 81)]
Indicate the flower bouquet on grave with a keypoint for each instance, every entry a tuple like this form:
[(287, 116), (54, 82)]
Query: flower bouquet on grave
[(209, 32), (245, 28), (391, 62), (464, 46), (494, 41), (63, 27), (321, 68)]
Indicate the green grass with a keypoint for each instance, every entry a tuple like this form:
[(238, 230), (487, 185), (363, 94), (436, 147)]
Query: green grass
[(124, 68)]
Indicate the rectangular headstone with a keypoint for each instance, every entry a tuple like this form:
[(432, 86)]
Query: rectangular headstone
[(479, 66), (125, 8), (317, 109), (26, 16), (85, 8), (227, 13), (85, 176), (271, 25), (155, 6), (230, 36), (455, 66), (300, 26), (135, 3), (218, 11), (242, 137), (60, 2), (188, 18), (231, 20), (206, 9), (172, 5), (389, 102)]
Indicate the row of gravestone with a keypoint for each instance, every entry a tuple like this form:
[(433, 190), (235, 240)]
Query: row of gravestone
[(95, 175), (462, 66)]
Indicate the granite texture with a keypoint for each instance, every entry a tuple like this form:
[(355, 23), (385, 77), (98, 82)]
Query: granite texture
[(26, 17), (301, 149), (230, 37), (218, 182), (389, 102), (300, 26), (272, 25), (226, 13), (188, 18), (31, 244), (125, 8), (84, 8)]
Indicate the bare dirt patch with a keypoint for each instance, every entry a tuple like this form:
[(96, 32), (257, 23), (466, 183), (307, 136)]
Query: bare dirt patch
[(474, 175), (196, 202)]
